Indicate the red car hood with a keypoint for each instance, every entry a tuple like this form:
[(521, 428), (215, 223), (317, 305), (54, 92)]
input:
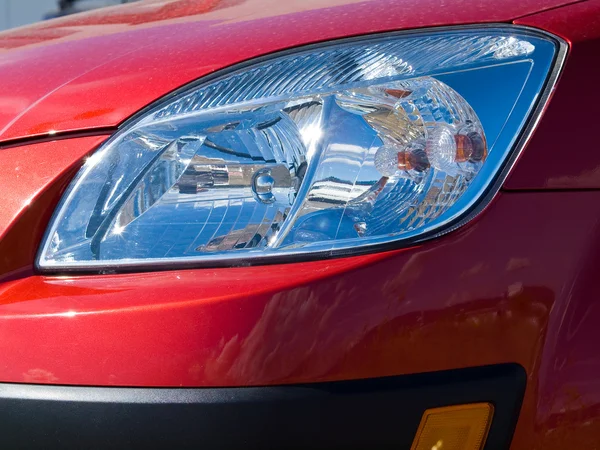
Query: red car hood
[(96, 69)]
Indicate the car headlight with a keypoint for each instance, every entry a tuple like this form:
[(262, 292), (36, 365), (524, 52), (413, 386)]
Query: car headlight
[(334, 148)]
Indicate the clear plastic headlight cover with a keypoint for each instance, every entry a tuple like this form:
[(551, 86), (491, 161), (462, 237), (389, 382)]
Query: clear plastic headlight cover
[(335, 147)]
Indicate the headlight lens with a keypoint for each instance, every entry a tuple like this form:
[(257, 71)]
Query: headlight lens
[(336, 147)]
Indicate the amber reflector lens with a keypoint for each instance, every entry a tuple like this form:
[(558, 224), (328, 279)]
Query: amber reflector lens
[(462, 427)]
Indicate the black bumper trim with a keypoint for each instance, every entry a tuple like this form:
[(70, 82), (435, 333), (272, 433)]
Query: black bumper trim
[(376, 413)]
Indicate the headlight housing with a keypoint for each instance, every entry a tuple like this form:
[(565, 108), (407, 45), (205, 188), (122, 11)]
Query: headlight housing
[(334, 148)]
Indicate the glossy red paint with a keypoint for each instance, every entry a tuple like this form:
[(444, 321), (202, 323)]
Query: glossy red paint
[(489, 293), (107, 65), (30, 169), (33, 177), (563, 153)]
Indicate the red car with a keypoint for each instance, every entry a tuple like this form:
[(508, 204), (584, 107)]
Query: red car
[(303, 224)]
